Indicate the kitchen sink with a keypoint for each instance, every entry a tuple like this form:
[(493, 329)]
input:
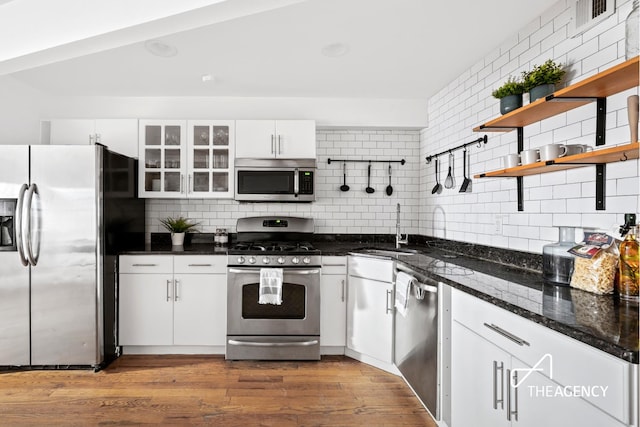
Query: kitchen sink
[(390, 252)]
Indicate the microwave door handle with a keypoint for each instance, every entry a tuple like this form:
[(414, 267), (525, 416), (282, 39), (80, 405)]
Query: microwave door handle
[(296, 182)]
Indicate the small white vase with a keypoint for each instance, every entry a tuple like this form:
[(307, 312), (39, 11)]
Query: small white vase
[(177, 239)]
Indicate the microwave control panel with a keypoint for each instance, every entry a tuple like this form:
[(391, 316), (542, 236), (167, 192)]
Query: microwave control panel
[(306, 182)]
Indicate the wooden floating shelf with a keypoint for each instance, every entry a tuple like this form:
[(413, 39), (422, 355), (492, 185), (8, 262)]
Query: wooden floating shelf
[(615, 79), (606, 155)]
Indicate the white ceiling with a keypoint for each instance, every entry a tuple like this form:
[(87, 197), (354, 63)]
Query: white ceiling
[(397, 49)]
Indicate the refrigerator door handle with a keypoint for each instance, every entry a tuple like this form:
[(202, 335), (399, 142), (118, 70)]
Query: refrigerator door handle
[(19, 226), (33, 259)]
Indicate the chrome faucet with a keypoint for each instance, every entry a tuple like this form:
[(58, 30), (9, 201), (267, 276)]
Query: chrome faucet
[(399, 239)]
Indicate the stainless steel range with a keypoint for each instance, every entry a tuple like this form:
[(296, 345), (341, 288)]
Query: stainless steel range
[(289, 330)]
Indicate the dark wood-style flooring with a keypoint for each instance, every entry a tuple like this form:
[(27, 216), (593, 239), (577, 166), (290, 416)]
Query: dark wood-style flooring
[(187, 390)]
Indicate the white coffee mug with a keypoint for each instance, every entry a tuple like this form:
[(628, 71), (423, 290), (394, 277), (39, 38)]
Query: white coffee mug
[(577, 149), (511, 160), (552, 151), (529, 156)]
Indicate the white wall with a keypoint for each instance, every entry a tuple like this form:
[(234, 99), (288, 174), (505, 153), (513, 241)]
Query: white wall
[(335, 211), (19, 112), (550, 200)]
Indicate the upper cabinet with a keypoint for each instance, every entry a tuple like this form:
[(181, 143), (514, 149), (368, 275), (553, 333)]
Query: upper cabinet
[(119, 135), (186, 159), (284, 139)]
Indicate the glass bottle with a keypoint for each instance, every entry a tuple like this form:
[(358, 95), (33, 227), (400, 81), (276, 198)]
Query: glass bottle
[(557, 263), (628, 275), (632, 45)]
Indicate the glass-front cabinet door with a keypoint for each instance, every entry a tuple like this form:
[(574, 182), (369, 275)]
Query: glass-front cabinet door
[(210, 158)]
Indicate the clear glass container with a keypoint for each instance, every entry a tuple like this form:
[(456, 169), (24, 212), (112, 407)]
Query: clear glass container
[(632, 45), (628, 276), (557, 263)]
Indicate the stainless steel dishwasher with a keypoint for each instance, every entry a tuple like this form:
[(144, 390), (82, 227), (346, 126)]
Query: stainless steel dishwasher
[(416, 340)]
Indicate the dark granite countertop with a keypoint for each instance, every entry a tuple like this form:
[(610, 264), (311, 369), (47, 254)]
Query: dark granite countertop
[(508, 279)]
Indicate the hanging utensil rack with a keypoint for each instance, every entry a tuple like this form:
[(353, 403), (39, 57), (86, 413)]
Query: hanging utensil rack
[(479, 142), (402, 161)]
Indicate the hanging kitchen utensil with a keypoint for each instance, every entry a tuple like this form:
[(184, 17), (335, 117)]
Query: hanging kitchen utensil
[(344, 186), (389, 187), (437, 188), (466, 182), (369, 189), (449, 181)]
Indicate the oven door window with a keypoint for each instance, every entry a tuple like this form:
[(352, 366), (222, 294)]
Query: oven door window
[(293, 303), (265, 182)]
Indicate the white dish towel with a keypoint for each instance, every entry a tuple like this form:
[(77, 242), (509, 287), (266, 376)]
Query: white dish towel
[(404, 283), (270, 286)]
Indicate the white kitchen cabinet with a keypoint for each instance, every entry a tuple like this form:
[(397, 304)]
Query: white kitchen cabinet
[(169, 301), (333, 305), (370, 311), (285, 139), (119, 135), (490, 345), (186, 159)]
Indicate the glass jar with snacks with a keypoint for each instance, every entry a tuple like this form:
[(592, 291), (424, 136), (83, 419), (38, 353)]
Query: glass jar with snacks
[(596, 263)]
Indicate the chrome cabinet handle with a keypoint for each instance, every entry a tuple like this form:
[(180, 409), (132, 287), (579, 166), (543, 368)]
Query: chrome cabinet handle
[(199, 265), (279, 144), (389, 307), (506, 334), (343, 290), (144, 265), (169, 290), (273, 344), (176, 283), (334, 265), (190, 184), (515, 396), (98, 138), (497, 368), (181, 183), (512, 413), (257, 271), (18, 226), (273, 144)]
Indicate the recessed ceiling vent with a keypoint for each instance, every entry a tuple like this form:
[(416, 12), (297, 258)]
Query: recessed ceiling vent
[(587, 13)]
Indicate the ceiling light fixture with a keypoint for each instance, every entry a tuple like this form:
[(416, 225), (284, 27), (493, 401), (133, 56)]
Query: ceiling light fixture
[(161, 49), (335, 50)]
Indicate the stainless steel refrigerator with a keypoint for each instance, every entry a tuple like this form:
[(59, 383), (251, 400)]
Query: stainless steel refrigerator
[(65, 212)]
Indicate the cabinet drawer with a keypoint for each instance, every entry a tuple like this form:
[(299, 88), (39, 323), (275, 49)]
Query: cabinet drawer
[(200, 264), (146, 264), (572, 363), (334, 265), (371, 268)]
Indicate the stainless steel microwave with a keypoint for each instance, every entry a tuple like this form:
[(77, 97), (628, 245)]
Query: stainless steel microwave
[(275, 180)]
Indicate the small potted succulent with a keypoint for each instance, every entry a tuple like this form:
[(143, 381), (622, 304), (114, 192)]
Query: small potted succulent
[(178, 227), (542, 80), (510, 95)]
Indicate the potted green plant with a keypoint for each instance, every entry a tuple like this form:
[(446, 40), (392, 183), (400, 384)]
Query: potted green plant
[(542, 79), (509, 94), (178, 227)]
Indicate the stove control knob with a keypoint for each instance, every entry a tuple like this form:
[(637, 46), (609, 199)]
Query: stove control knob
[(241, 260), (306, 260), (252, 260), (295, 260), (281, 260), (266, 260)]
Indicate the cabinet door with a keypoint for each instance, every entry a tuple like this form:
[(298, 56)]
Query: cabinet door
[(537, 405), (478, 387), (333, 310), (163, 159), (370, 318), (72, 132), (119, 135), (296, 139), (255, 139), (145, 309), (210, 159), (200, 309)]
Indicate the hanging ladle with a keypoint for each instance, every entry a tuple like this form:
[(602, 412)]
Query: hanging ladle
[(344, 186), (369, 189), (389, 187), (438, 187)]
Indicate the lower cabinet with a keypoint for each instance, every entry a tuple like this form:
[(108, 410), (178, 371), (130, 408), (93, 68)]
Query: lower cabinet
[(506, 370), (370, 311), (333, 305), (167, 300)]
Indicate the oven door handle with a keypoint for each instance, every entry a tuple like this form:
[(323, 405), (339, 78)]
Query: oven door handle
[(287, 271), (273, 344)]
